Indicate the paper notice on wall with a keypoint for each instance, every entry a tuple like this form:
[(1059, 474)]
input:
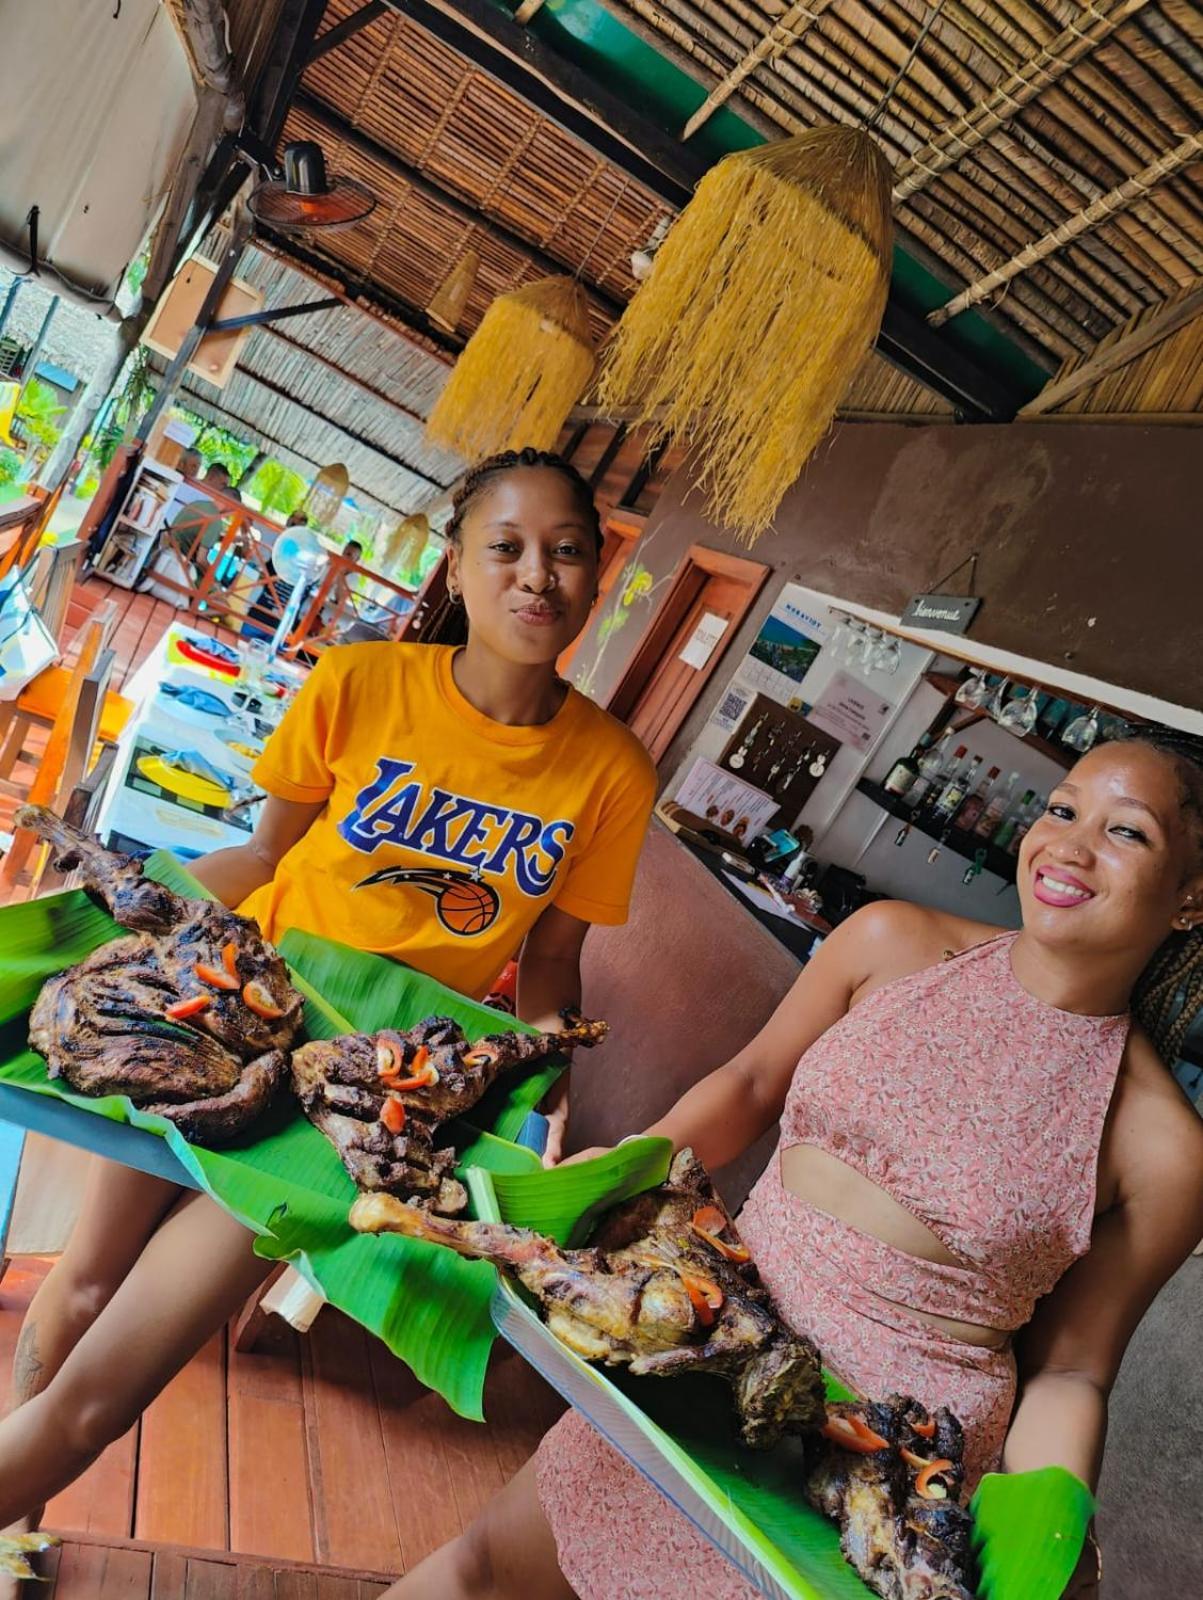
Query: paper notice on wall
[(784, 650), (850, 711), (731, 804), (703, 641)]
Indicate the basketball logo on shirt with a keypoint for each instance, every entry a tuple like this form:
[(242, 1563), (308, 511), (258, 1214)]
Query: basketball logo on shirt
[(463, 905)]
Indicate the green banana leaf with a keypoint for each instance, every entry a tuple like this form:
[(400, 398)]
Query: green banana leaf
[(1029, 1528), (284, 1180), (749, 1501)]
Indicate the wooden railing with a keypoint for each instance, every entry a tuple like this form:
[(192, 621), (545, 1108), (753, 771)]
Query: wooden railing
[(233, 580)]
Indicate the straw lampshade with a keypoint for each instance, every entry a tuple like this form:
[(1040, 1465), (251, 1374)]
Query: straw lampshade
[(763, 301), (520, 374), (398, 550), (326, 494), (446, 310)]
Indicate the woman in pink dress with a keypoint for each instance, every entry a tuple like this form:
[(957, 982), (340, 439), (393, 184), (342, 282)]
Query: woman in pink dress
[(976, 1139)]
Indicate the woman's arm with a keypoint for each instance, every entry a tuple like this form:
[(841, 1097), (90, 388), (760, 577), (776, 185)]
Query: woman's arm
[(729, 1110), (549, 983), (233, 874), (1071, 1351)]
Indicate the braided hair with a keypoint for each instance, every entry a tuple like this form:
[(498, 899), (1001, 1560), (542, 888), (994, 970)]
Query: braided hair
[(1169, 993), (485, 474)]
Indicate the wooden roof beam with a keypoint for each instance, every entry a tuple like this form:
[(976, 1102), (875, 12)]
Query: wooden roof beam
[(336, 123), (1029, 79), (1149, 330), (1118, 199), (786, 31)]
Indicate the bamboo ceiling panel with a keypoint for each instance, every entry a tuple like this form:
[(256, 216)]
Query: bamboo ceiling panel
[(1010, 121), (473, 139)]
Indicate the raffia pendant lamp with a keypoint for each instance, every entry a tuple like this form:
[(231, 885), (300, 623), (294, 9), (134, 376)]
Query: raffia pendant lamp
[(398, 550), (763, 301), (520, 374), (326, 494), (447, 308)]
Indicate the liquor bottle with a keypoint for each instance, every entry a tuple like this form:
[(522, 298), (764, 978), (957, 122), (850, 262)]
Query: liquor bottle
[(1024, 823), (975, 802), (956, 787), (996, 809), (905, 771), (933, 769), (1006, 829)]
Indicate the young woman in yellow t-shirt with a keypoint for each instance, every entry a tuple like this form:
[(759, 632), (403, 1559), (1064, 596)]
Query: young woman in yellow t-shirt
[(442, 806)]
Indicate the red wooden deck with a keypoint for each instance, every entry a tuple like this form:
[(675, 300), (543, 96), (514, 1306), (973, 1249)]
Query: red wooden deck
[(315, 1449)]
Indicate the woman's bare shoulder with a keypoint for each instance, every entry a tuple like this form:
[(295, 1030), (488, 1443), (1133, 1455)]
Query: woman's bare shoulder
[(892, 938)]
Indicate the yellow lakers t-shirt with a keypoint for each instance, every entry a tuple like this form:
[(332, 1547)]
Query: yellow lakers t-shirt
[(446, 834)]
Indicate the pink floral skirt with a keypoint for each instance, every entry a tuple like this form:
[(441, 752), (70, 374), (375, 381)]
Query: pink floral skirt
[(619, 1539)]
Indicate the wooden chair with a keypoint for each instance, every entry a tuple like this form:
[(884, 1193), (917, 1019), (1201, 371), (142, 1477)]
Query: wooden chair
[(73, 736)]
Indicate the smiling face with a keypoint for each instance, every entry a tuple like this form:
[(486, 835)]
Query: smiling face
[(1114, 865), (525, 565)]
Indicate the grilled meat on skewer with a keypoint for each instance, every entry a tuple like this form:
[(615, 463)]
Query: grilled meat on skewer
[(653, 1305), (869, 1473), (380, 1098), (188, 1017)]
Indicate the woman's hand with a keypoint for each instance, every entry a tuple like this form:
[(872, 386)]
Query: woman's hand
[(587, 1155)]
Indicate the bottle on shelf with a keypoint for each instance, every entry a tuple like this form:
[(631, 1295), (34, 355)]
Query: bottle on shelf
[(1024, 822), (906, 769), (974, 803), (956, 787), (1006, 829), (931, 768), (996, 808)]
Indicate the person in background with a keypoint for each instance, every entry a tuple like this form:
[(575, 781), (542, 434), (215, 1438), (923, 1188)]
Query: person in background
[(984, 1175), (443, 806), (195, 531)]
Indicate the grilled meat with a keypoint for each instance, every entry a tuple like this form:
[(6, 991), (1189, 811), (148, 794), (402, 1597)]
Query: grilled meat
[(654, 1303), (380, 1098), (121, 1021), (904, 1545)]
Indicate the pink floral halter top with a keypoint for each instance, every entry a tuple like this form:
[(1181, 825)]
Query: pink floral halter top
[(980, 1109)]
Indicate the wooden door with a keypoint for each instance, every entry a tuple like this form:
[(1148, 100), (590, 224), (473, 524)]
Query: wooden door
[(621, 531), (659, 688)]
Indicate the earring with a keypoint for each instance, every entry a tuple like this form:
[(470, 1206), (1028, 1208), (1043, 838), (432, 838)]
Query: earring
[(454, 596)]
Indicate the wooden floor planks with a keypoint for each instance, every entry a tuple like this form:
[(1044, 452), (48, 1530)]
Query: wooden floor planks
[(91, 1569)]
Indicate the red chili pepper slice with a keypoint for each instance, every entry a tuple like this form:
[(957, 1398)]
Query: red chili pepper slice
[(705, 1296), (929, 1471), (479, 1058), (393, 1115), (388, 1058), (925, 1430), (708, 1222), (188, 1007), (229, 960), (854, 1433), (258, 1000), (215, 977)]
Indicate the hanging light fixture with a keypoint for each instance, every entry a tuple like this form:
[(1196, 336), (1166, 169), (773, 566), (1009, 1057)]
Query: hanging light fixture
[(761, 305), (520, 374), (450, 301), (400, 548), (326, 495)]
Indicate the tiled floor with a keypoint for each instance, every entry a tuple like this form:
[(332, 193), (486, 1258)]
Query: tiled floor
[(309, 1450)]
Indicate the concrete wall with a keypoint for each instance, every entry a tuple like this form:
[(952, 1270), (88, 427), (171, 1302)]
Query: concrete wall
[(1088, 537)]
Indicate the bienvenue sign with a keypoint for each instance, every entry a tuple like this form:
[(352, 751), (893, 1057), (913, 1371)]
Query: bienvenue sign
[(943, 613)]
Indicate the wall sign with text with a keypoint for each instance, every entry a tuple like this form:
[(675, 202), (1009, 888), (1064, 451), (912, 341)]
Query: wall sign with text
[(941, 613)]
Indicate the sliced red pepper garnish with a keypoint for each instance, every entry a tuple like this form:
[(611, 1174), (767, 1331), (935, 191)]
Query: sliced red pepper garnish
[(229, 960), (259, 1000), (188, 1007), (479, 1057), (393, 1115), (705, 1295), (929, 1471), (854, 1433), (388, 1058), (215, 977), (708, 1222), (925, 1430)]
